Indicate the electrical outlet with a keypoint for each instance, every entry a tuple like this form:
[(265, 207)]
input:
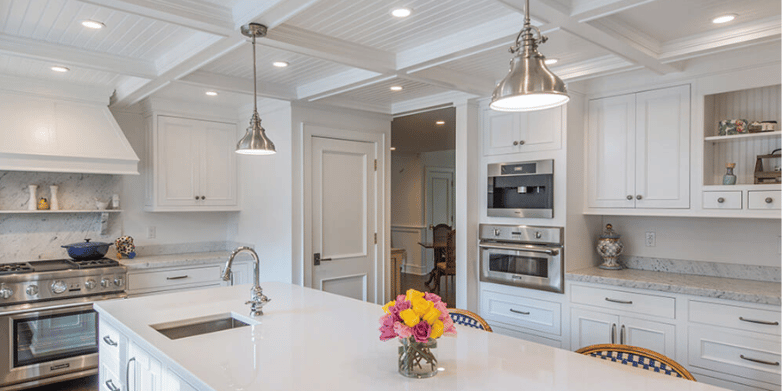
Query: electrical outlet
[(151, 232), (651, 239)]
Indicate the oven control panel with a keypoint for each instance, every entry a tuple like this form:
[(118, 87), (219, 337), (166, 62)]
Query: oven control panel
[(521, 234), (53, 286)]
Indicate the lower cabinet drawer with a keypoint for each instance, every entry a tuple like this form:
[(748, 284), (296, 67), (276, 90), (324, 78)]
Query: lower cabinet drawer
[(533, 314), (741, 318), (744, 354), (109, 380), (769, 199), (167, 278), (108, 342), (721, 200), (645, 304)]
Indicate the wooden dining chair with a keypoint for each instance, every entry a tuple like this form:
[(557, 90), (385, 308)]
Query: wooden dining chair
[(447, 268), (439, 244), (637, 357), (469, 319)]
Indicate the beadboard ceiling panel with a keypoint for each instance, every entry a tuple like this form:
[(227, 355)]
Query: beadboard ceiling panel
[(36, 69), (666, 20), (302, 69), (380, 94), (59, 22), (370, 23), (568, 49)]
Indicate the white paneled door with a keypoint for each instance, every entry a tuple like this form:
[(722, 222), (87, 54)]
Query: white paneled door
[(439, 203), (343, 217)]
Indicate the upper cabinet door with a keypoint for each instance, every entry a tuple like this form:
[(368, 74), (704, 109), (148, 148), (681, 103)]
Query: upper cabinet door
[(218, 165), (663, 148), (500, 131), (177, 153), (611, 149), (541, 130)]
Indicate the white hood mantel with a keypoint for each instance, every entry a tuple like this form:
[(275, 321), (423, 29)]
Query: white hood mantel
[(49, 134)]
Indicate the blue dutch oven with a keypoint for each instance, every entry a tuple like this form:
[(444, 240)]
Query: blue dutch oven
[(87, 250)]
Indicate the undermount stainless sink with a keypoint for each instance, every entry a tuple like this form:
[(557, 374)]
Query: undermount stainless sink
[(198, 326)]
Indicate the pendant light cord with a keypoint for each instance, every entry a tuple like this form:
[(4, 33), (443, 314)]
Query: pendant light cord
[(255, 82)]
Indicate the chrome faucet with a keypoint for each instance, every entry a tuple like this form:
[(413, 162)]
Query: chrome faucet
[(258, 299)]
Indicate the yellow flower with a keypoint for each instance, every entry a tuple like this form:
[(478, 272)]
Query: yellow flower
[(421, 306), (432, 316), (413, 294), (389, 304), (437, 329), (410, 317)]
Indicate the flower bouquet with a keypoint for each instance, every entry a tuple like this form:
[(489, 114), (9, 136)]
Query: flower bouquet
[(417, 319)]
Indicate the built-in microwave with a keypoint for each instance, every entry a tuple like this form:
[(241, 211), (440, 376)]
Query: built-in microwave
[(521, 189)]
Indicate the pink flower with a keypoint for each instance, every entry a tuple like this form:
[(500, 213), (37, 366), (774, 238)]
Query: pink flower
[(402, 330), (450, 331), (399, 307), (401, 298), (440, 306), (432, 297), (447, 322), (387, 328), (421, 331)]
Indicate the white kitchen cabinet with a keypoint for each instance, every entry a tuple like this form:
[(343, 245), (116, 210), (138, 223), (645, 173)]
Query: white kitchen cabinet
[(505, 132), (182, 278), (145, 373), (639, 150), (591, 327), (172, 382), (193, 165)]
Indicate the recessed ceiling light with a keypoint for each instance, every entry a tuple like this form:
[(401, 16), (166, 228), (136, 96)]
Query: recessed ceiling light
[(396, 88), (724, 18), (440, 122), (280, 64), (550, 61), (93, 24), (401, 12), (211, 93), (60, 69), (393, 148)]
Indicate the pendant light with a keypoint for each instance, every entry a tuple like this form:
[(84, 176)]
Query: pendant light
[(255, 141), (529, 85)]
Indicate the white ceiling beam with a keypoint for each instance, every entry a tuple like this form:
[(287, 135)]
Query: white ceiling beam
[(586, 10), (618, 45), (453, 80), (200, 16), (311, 44), (214, 81), (592, 68), (440, 99), (75, 57), (273, 13), (756, 32), (352, 86), (353, 104), (339, 81)]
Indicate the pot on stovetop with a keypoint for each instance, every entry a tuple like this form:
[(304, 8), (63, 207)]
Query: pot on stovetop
[(87, 250)]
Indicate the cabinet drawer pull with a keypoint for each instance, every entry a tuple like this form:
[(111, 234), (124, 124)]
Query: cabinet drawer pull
[(613, 333), (519, 312), (108, 341), (618, 301), (110, 385), (177, 277), (759, 361), (58, 367), (622, 335), (759, 321), (127, 373), (720, 200)]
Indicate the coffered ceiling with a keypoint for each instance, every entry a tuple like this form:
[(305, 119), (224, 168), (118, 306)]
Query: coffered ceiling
[(350, 52)]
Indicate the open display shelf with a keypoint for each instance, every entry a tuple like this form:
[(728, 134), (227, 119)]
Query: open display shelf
[(58, 211)]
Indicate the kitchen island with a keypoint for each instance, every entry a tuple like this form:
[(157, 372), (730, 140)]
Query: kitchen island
[(311, 340)]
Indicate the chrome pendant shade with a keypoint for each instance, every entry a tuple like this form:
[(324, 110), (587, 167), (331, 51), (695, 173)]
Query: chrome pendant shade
[(529, 85), (255, 141)]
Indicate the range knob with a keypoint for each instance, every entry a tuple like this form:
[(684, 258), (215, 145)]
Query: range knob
[(90, 284), (538, 235), (497, 232), (59, 287), (5, 292), (118, 281), (105, 282), (32, 290)]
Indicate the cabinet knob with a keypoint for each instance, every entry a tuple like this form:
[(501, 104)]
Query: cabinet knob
[(638, 197), (521, 142), (720, 200), (769, 200), (629, 197), (515, 143), (196, 197), (203, 197)]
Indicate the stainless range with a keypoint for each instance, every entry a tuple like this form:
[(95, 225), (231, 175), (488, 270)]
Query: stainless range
[(46, 316)]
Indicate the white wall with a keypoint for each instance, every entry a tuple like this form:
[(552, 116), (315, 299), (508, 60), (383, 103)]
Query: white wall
[(265, 191), (172, 228)]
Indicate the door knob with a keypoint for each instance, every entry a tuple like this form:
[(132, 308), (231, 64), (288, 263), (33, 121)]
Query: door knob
[(720, 200), (638, 197), (629, 197)]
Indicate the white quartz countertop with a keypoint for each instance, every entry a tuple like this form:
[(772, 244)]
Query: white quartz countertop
[(311, 340), (760, 292), (173, 260)]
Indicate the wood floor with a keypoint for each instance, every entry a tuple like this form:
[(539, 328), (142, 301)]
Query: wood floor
[(89, 383), (414, 281)]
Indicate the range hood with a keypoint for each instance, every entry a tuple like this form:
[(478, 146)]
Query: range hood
[(42, 133)]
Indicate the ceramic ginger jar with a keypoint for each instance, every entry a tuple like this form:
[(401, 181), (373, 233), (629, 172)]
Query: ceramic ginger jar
[(609, 247)]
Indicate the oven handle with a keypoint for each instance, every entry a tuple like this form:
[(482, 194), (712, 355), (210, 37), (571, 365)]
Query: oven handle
[(521, 247)]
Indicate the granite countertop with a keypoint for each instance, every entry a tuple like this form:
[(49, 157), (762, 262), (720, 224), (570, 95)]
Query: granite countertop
[(760, 292), (173, 260)]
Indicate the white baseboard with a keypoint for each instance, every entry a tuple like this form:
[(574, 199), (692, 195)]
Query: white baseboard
[(414, 269)]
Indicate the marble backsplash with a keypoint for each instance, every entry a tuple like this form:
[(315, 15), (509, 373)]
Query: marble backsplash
[(711, 269), (26, 237)]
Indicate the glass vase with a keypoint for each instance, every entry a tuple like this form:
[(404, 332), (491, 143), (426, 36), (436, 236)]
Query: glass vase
[(416, 359), (729, 178)]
